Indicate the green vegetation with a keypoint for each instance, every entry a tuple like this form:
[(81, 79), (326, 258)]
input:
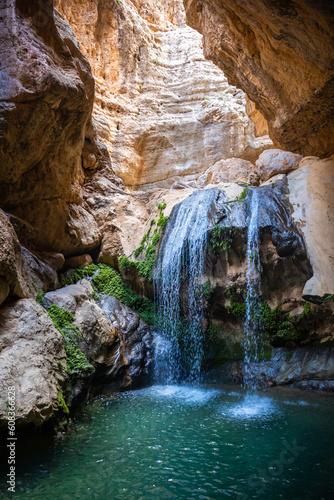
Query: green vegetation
[(78, 274), (275, 321), (288, 356), (237, 305), (221, 239), (206, 290), (109, 282), (155, 237), (147, 246), (64, 322), (241, 197), (61, 403), (40, 297), (162, 221)]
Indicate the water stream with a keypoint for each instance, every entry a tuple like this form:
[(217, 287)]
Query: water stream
[(178, 286), (252, 326)]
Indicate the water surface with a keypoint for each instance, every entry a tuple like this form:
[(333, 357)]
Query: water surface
[(205, 442)]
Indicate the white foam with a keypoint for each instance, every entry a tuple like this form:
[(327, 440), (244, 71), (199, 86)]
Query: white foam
[(185, 394), (253, 407)]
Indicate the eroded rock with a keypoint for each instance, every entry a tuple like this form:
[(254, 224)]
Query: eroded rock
[(46, 101), (32, 358), (278, 54), (311, 194), (163, 111), (12, 278)]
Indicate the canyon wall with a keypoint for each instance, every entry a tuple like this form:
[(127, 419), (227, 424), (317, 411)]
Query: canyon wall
[(163, 111), (281, 55)]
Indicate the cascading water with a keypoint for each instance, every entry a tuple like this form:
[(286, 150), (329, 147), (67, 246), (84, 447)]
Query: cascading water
[(178, 288), (253, 325)]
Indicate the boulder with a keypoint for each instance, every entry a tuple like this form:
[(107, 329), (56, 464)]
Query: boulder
[(275, 161), (233, 170), (32, 359)]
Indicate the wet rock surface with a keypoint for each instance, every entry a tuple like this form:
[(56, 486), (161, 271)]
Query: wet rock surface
[(302, 368)]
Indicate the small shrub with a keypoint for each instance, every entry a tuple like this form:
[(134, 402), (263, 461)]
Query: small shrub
[(40, 297), (162, 221)]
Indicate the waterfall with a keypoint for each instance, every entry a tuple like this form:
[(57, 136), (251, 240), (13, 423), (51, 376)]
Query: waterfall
[(178, 287), (253, 325)]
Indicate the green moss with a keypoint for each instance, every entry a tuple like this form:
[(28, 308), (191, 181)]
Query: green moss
[(288, 356), (40, 297), (148, 243), (109, 282), (306, 310), (206, 290), (139, 250), (241, 197), (64, 322), (155, 237), (61, 403), (162, 206)]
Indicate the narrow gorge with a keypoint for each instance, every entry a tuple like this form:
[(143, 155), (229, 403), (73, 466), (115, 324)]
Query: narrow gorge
[(166, 249)]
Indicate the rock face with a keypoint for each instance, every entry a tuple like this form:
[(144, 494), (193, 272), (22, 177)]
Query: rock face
[(32, 358), (302, 368), (12, 280), (312, 198), (163, 111), (46, 101), (280, 54)]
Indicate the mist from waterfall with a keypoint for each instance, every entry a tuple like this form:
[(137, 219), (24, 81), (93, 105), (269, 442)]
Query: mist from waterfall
[(179, 290), (253, 325)]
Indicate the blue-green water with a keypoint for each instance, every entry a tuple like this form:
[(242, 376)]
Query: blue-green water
[(206, 442)]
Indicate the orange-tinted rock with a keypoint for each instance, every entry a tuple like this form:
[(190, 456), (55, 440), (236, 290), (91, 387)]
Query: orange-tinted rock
[(281, 55), (46, 100), (162, 109)]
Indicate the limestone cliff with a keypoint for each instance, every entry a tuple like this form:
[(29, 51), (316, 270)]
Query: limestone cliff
[(281, 55), (163, 111)]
